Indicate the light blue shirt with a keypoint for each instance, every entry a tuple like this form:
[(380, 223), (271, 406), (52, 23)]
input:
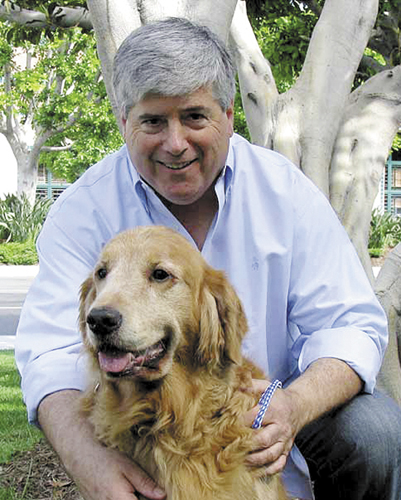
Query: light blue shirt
[(304, 290)]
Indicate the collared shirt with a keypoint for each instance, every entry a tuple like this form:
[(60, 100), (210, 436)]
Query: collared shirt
[(304, 290)]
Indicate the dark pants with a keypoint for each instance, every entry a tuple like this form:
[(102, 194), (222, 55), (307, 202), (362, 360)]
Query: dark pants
[(354, 452)]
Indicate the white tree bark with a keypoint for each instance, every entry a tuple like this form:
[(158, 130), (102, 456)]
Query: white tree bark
[(319, 96), (370, 122), (388, 290), (258, 88), (112, 21)]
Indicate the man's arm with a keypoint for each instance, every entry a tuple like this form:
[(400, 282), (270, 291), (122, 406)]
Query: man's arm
[(326, 384), (100, 473)]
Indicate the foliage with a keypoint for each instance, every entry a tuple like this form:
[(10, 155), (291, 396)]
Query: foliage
[(92, 138), (284, 40), (385, 232), (19, 220), (56, 94), (397, 143), (18, 254), (240, 125), (15, 432)]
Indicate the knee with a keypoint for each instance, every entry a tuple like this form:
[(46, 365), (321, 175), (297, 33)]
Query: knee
[(372, 433)]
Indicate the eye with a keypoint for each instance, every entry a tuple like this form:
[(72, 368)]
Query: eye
[(152, 124), (196, 116), (101, 273), (159, 274), (196, 120)]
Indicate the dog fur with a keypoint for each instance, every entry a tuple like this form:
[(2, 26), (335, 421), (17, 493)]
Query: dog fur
[(177, 386)]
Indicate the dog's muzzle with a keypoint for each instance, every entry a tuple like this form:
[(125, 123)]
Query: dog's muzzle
[(104, 320)]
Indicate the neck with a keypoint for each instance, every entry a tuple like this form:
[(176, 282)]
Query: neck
[(198, 216)]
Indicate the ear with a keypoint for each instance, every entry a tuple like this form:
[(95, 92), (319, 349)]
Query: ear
[(86, 298), (222, 321)]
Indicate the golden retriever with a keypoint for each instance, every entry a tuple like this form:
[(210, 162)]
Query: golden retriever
[(170, 386)]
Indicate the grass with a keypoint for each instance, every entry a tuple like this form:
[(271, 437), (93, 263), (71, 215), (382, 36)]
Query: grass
[(29, 468), (16, 435), (15, 432)]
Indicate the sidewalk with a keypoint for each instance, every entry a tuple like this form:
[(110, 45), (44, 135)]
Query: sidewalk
[(8, 341), (15, 271)]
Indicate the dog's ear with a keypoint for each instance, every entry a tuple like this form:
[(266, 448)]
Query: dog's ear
[(222, 321), (87, 296)]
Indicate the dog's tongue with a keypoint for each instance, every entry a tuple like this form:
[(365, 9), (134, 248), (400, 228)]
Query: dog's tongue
[(123, 361), (114, 364)]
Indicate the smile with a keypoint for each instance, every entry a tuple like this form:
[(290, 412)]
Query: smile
[(177, 166)]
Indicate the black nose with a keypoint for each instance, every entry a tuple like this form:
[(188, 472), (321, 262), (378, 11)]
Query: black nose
[(104, 320)]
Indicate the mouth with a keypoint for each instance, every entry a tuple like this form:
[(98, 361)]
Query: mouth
[(117, 363), (177, 166)]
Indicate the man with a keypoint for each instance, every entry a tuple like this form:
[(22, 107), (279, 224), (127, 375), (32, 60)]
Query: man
[(314, 320)]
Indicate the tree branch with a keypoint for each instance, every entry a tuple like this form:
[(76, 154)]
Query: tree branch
[(60, 17), (52, 149), (335, 51), (258, 88)]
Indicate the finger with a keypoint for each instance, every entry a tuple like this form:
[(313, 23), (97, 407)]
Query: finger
[(265, 456), (277, 466), (144, 484), (267, 436)]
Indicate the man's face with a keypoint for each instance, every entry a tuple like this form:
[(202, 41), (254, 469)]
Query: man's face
[(179, 145)]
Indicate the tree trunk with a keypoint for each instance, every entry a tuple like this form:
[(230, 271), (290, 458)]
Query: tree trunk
[(27, 163), (370, 122), (388, 290)]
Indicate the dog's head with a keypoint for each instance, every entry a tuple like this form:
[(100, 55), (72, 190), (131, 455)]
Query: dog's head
[(152, 300)]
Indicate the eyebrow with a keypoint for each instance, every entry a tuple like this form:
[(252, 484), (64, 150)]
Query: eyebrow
[(193, 109)]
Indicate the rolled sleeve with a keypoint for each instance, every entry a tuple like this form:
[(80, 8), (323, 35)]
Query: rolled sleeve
[(350, 345), (51, 372), (332, 306)]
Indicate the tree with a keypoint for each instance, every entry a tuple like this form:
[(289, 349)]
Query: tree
[(337, 131), (52, 98)]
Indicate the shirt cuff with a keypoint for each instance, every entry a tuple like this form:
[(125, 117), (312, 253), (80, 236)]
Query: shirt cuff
[(55, 371), (348, 344)]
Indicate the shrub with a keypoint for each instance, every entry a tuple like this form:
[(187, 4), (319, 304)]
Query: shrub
[(19, 220), (18, 253), (385, 231)]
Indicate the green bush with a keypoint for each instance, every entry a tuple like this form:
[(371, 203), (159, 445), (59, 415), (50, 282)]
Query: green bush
[(376, 252), (19, 220), (18, 253), (385, 231)]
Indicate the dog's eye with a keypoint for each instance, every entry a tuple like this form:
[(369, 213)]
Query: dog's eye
[(101, 273), (160, 275)]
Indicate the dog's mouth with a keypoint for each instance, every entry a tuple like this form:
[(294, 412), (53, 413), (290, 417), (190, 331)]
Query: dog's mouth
[(118, 363)]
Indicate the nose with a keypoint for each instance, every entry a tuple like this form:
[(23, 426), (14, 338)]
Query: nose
[(175, 142), (104, 320)]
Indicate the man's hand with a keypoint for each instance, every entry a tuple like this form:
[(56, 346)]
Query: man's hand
[(326, 384), (100, 473), (274, 440)]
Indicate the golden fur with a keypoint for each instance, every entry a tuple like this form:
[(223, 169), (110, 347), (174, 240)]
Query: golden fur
[(181, 416)]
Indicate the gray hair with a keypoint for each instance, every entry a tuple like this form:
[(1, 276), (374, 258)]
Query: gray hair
[(172, 57)]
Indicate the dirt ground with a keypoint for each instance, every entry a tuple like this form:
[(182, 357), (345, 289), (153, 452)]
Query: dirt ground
[(38, 475)]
